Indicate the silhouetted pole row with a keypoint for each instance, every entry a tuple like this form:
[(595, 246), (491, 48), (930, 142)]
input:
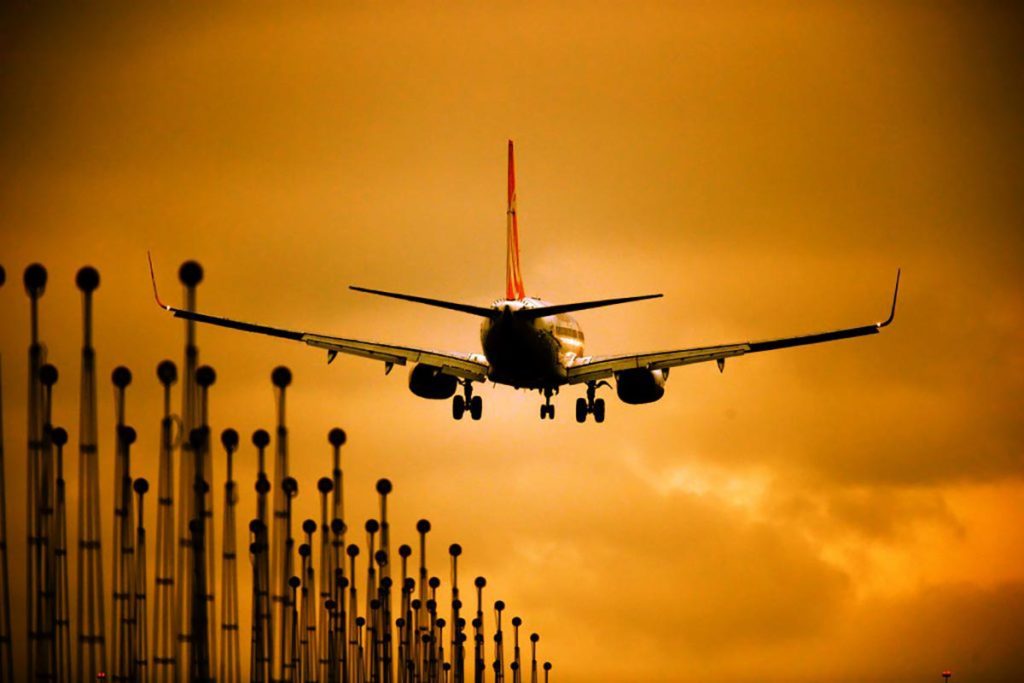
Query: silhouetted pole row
[(309, 623), (365, 654), (6, 653)]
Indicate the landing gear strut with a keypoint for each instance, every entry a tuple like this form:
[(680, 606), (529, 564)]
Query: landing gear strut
[(474, 404), (547, 410), (591, 405)]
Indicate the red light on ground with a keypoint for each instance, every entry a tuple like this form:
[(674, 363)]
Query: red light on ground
[(946, 674)]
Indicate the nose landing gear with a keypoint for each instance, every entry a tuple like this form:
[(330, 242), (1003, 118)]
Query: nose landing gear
[(591, 405), (547, 410), (474, 404)]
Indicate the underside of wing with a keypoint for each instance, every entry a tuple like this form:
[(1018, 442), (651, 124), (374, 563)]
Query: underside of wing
[(465, 365), (591, 369)]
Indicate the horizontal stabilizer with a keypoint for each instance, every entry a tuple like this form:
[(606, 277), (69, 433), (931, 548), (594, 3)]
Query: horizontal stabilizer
[(465, 308), (532, 313)]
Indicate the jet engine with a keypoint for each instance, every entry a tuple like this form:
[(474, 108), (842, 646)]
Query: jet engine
[(640, 385), (427, 381)]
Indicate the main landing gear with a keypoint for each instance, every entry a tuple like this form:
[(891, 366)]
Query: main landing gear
[(547, 410), (590, 405), (474, 404)]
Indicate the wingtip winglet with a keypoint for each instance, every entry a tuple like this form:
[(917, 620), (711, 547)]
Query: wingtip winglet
[(152, 276), (895, 295)]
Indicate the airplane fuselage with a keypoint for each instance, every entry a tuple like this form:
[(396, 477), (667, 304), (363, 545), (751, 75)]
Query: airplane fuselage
[(529, 354)]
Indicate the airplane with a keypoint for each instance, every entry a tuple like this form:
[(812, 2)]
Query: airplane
[(528, 343)]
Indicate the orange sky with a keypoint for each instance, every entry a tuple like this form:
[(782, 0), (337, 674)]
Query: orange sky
[(843, 512)]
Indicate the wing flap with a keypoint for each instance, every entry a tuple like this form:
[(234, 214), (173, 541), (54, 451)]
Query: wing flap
[(464, 365), (355, 347), (602, 368)]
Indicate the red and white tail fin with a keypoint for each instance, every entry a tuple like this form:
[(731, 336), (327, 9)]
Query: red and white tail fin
[(513, 276)]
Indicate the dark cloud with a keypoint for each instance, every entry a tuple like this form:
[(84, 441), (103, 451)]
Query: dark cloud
[(967, 629)]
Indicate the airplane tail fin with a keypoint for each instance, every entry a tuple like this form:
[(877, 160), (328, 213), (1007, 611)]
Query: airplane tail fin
[(513, 275)]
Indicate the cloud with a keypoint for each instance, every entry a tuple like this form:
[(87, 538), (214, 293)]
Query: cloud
[(972, 631)]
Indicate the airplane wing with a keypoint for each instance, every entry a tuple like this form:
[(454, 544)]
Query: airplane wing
[(591, 369), (465, 365)]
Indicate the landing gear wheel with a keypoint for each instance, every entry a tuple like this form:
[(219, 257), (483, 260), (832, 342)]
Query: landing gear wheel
[(581, 410), (591, 404), (547, 410), (467, 402)]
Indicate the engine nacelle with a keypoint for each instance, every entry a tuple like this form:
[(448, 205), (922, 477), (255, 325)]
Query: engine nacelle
[(427, 381), (640, 385)]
